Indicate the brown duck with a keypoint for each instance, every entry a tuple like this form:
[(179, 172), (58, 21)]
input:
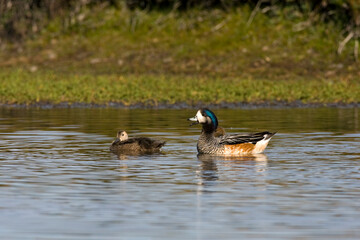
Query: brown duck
[(137, 145)]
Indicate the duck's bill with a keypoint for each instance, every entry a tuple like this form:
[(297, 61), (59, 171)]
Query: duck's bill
[(194, 120)]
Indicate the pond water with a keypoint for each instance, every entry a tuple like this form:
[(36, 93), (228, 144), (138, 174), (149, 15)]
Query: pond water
[(58, 179)]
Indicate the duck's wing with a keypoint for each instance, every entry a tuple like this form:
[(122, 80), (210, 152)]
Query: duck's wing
[(148, 143), (249, 138), (124, 142), (117, 143)]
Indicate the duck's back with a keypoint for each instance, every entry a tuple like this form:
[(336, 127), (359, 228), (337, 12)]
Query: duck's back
[(235, 144), (149, 144)]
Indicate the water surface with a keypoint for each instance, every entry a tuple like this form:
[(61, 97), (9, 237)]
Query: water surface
[(58, 179)]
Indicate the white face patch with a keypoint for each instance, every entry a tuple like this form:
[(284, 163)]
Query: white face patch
[(201, 118), (123, 136)]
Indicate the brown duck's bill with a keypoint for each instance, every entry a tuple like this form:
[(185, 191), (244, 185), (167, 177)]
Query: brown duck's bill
[(195, 121)]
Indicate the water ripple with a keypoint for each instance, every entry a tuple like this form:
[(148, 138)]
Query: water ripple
[(58, 179)]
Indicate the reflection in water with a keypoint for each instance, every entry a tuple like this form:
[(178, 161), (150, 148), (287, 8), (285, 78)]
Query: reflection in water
[(126, 155), (242, 158), (59, 180), (209, 169)]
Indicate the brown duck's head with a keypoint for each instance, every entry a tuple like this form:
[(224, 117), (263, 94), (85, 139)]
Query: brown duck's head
[(122, 135)]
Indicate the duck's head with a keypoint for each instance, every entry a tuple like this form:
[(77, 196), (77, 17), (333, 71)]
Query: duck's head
[(122, 135), (207, 118)]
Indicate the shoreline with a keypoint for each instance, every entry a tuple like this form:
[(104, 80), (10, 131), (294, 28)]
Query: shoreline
[(182, 105)]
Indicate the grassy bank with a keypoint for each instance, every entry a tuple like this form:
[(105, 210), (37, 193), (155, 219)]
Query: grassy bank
[(117, 55), (49, 87)]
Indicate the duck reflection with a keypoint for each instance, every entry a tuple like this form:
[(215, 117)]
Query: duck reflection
[(210, 164), (242, 158), (135, 155), (123, 156), (208, 168)]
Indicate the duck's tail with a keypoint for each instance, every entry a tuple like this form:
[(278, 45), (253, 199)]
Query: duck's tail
[(262, 144), (158, 144), (268, 135)]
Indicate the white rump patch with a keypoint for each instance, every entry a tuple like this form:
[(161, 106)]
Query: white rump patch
[(261, 145)]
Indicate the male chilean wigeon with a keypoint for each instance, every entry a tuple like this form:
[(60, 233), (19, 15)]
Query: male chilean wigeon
[(215, 141), (137, 145)]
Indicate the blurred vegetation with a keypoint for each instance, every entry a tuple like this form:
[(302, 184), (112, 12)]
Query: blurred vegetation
[(22, 18), (49, 87), (168, 51)]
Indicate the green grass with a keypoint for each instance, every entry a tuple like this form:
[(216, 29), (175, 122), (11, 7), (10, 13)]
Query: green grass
[(48, 87), (114, 55)]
